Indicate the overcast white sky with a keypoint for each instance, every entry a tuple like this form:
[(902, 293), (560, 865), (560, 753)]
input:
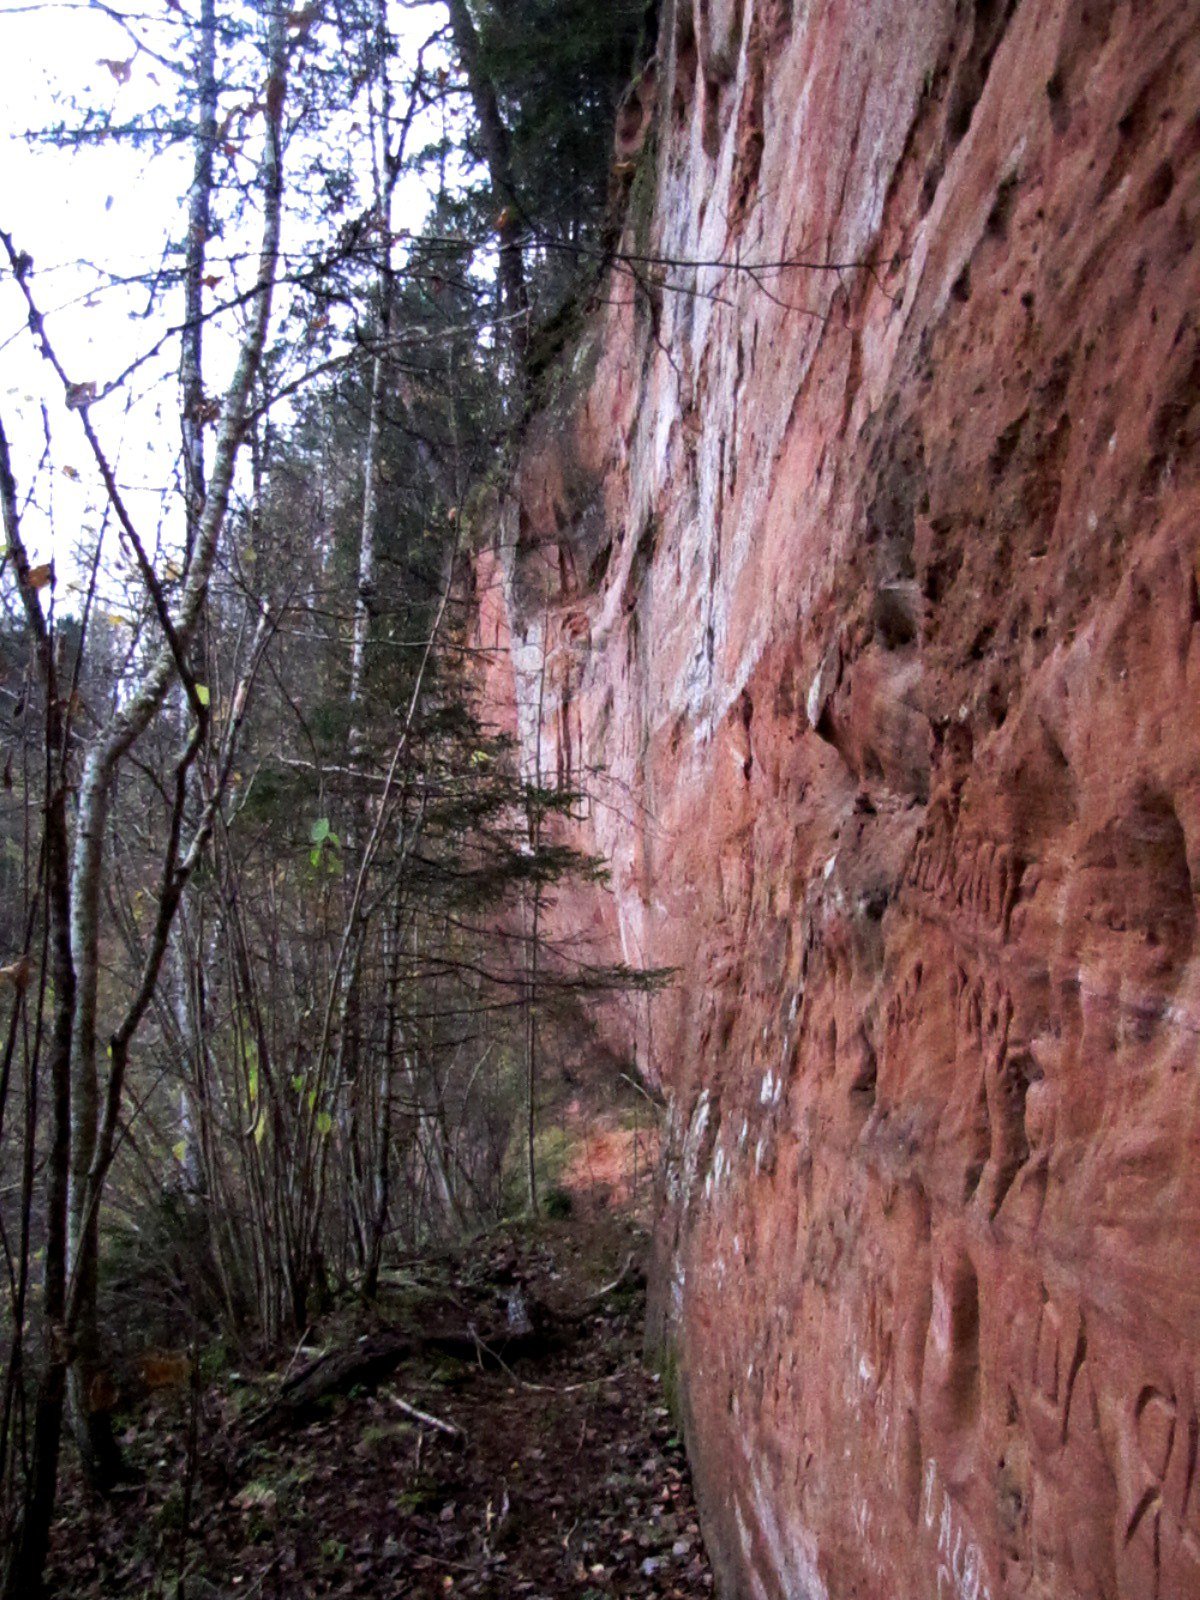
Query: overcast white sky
[(109, 207), (83, 215)]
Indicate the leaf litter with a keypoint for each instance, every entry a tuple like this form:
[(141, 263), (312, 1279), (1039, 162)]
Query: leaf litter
[(558, 1473)]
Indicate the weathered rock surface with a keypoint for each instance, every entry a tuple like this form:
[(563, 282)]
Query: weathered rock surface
[(870, 581)]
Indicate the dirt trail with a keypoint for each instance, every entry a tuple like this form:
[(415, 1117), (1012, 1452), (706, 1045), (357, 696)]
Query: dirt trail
[(566, 1477)]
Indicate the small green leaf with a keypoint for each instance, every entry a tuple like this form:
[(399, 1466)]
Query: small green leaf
[(320, 830), (298, 1082), (203, 695), (324, 1124), (179, 1151)]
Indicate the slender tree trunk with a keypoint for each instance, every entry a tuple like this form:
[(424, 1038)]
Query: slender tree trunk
[(379, 1205), (191, 364), (192, 413), (532, 956), (187, 1003), (90, 1389), (364, 595), (27, 1554), (387, 164), (531, 1064)]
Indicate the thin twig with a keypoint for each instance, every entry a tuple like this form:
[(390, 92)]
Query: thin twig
[(427, 1418)]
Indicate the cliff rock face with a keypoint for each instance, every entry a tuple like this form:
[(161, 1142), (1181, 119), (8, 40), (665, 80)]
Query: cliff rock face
[(870, 582)]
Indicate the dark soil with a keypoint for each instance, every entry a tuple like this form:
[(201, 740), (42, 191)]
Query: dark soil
[(568, 1479)]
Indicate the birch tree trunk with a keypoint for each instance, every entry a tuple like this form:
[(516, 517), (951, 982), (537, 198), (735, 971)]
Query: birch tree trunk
[(192, 404), (191, 364), (89, 1387), (364, 594)]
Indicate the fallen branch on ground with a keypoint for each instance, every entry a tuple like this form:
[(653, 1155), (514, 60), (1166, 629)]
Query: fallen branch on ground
[(427, 1419), (370, 1361)]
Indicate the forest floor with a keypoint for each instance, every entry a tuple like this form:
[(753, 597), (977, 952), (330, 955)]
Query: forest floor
[(565, 1477)]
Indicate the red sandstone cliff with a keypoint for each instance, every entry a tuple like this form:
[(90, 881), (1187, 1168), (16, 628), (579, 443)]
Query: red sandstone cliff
[(874, 592)]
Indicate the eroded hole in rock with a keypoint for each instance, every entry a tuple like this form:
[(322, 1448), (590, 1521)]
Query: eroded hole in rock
[(1136, 126), (988, 23), (1158, 190), (1000, 215), (865, 1081), (1140, 910), (1056, 96), (1010, 1141), (1006, 447), (978, 1143), (687, 59), (599, 566), (896, 613), (1042, 801), (960, 1311), (746, 713), (711, 129), (1175, 428)]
